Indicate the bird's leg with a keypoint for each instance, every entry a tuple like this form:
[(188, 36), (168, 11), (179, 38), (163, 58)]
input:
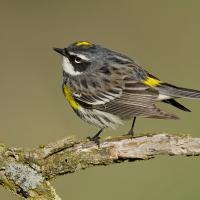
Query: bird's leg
[(131, 131), (96, 137)]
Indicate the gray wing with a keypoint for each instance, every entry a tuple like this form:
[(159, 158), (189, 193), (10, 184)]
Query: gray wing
[(138, 104), (120, 91)]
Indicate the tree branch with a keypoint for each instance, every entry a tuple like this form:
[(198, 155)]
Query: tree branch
[(27, 172)]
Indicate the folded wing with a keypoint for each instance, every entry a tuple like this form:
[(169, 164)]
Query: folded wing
[(119, 92)]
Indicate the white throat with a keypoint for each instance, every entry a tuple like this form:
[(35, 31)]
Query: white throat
[(68, 67)]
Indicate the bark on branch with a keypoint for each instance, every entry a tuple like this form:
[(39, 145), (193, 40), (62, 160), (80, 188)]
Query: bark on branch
[(27, 172)]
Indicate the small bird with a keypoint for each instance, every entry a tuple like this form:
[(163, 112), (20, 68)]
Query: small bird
[(105, 87)]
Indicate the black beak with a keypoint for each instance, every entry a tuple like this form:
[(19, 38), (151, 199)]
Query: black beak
[(60, 51)]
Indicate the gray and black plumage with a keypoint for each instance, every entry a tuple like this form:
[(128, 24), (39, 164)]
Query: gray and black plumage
[(105, 87)]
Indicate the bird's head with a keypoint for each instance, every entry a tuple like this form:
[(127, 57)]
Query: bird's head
[(81, 57)]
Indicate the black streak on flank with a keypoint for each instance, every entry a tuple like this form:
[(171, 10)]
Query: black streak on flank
[(84, 83)]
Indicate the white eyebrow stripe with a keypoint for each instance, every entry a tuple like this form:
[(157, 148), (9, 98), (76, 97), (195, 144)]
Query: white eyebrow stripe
[(79, 55)]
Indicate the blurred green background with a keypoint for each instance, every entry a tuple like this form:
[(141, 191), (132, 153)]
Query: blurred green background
[(163, 36)]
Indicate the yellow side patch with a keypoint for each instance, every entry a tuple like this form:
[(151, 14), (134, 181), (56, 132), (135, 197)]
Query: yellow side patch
[(84, 43), (70, 98), (152, 82)]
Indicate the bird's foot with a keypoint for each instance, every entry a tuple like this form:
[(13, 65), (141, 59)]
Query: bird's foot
[(130, 133), (95, 139)]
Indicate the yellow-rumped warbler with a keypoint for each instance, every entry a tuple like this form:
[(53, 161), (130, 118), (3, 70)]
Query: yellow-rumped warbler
[(105, 87)]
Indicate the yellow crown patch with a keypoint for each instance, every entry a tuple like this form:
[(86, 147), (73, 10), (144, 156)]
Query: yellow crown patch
[(83, 43)]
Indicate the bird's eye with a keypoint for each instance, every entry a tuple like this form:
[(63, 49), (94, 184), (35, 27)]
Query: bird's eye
[(78, 60)]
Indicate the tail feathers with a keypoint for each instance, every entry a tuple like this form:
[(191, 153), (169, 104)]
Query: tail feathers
[(174, 91), (176, 104)]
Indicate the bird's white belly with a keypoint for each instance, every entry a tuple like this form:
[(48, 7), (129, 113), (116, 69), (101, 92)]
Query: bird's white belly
[(99, 118)]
